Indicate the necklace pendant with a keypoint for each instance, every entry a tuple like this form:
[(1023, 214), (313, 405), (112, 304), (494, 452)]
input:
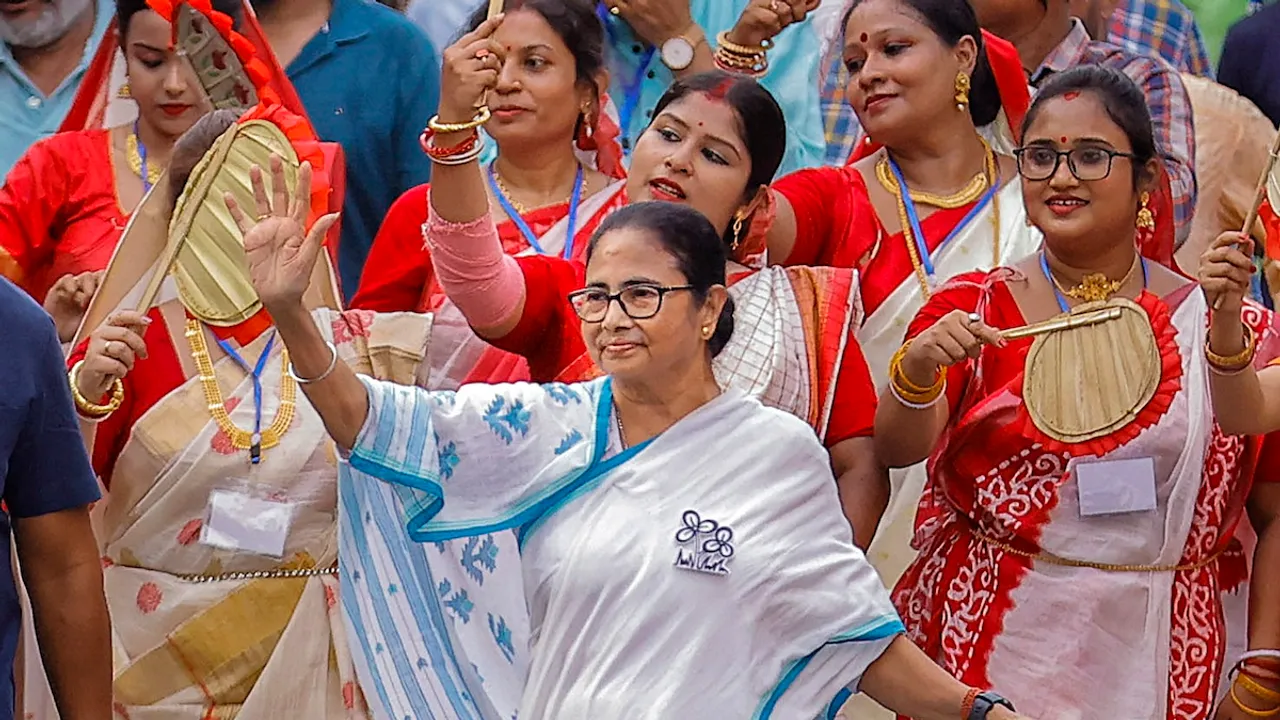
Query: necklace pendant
[(1094, 288)]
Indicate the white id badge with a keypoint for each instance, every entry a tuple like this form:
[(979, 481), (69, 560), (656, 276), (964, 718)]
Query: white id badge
[(237, 521), (1112, 487)]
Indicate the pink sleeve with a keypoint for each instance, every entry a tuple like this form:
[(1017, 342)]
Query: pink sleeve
[(484, 282)]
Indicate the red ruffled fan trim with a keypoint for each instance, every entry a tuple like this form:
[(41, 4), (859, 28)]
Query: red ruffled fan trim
[(302, 138), (1166, 391), (257, 71)]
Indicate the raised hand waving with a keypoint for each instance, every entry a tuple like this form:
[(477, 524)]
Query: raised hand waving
[(281, 253)]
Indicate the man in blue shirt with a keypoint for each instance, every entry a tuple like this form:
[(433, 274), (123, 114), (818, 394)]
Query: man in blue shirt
[(48, 45), (370, 80), (47, 485), (1251, 60)]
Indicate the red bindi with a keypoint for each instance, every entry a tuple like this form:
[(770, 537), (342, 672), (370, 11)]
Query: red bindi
[(699, 124), (1063, 139), (864, 37), (1071, 95)]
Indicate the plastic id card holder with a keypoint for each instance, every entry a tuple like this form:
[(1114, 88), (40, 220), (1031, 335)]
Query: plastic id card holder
[(244, 522), (1112, 487)]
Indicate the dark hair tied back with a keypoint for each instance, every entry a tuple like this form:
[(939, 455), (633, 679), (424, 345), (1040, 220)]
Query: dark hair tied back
[(952, 20), (691, 239), (1121, 98)]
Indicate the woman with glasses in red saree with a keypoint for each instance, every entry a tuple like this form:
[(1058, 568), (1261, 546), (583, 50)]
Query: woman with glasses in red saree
[(714, 143), (1080, 475), (557, 173)]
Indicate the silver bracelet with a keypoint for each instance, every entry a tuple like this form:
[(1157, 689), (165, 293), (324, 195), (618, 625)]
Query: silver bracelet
[(333, 363)]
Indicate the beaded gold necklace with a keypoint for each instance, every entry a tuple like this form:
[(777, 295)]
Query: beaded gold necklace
[(241, 439), (980, 184)]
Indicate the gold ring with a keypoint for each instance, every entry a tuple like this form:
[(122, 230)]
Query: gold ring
[(263, 216)]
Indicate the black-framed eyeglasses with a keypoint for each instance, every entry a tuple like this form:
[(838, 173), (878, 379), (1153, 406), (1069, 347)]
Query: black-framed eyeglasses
[(639, 302), (1088, 164)]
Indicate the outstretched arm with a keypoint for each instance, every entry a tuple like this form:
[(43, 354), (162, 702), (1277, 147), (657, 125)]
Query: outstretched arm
[(907, 682), (281, 259)]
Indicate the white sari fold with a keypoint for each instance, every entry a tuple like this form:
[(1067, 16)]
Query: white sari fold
[(604, 623)]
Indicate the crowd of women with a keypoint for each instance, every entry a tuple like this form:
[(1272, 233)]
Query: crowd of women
[(606, 441)]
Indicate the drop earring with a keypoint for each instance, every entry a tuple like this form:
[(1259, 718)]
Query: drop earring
[(125, 92), (963, 85), (1146, 218)]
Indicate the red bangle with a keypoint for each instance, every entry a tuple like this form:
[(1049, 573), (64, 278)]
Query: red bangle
[(966, 707), (428, 147)]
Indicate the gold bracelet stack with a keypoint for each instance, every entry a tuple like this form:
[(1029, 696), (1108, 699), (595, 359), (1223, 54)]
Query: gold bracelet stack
[(741, 59), (90, 410), (1232, 364), (907, 392), (482, 116)]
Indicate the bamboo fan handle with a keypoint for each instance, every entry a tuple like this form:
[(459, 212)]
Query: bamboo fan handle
[(1259, 192), (1096, 317), (495, 7)]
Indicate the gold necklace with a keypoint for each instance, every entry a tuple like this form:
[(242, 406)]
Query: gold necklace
[(241, 439), (135, 160), (966, 195), (506, 194), (1095, 287), (990, 178)]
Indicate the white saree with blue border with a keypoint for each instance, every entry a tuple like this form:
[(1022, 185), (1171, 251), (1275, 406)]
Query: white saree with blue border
[(502, 556)]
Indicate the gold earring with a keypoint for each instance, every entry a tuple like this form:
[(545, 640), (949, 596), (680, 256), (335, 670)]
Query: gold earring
[(1146, 218), (737, 232), (125, 92), (962, 91), (706, 331)]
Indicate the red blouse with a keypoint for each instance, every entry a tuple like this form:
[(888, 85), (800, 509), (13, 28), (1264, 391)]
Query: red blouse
[(59, 212), (398, 275), (152, 379), (549, 335)]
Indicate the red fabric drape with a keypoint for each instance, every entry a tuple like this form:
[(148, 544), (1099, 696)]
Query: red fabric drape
[(89, 108)]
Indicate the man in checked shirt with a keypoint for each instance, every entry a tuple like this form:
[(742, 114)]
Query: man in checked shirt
[(1050, 40)]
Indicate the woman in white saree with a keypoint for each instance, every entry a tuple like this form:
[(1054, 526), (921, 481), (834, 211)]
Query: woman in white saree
[(660, 582), (219, 532)]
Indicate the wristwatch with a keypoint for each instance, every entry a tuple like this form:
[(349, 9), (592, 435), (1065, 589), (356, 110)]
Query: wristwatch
[(985, 703), (677, 53)]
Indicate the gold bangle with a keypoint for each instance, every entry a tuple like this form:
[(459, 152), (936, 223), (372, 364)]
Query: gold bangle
[(90, 410), (1258, 690), (909, 391), (723, 41), (1240, 360), (481, 117), (1251, 712), (895, 368)]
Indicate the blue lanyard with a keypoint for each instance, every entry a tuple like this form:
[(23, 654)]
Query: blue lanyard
[(1062, 300), (523, 226), (631, 93), (255, 451), (142, 155), (913, 218)]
